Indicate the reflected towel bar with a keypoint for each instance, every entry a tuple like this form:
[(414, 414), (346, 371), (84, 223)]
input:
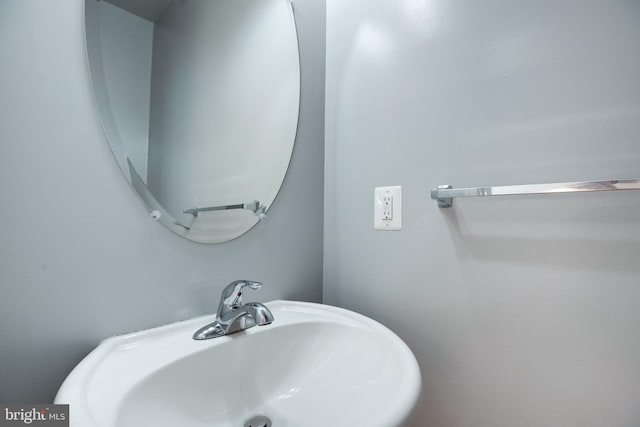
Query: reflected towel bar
[(444, 194), (256, 207)]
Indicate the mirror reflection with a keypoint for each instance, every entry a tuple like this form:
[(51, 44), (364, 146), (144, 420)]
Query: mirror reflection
[(199, 101)]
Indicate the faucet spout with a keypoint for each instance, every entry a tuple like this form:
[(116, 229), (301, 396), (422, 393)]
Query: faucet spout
[(260, 313)]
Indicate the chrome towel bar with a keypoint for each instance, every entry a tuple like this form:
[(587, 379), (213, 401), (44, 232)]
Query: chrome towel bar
[(256, 207), (444, 194)]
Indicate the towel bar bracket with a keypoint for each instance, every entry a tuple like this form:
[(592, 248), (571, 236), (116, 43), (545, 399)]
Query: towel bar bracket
[(443, 202)]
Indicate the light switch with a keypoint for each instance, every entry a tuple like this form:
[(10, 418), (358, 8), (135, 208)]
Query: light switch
[(387, 209)]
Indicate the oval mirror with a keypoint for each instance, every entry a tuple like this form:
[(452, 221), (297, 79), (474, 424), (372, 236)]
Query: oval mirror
[(199, 100)]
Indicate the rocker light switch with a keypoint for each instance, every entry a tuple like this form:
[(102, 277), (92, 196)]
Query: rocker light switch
[(387, 210)]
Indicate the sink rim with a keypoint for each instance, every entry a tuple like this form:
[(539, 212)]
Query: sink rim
[(78, 385)]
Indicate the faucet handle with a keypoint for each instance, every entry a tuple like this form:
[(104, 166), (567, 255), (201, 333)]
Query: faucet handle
[(232, 295)]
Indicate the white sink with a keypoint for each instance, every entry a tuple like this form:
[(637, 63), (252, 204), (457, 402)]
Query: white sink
[(314, 366)]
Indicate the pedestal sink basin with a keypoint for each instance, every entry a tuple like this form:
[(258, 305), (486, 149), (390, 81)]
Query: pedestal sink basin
[(314, 366)]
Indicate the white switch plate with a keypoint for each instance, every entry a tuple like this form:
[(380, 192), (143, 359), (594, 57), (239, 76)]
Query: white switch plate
[(387, 209)]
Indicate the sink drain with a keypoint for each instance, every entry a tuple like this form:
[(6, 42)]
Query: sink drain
[(258, 421)]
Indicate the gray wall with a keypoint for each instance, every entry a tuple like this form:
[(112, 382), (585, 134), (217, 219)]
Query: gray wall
[(79, 258), (521, 311)]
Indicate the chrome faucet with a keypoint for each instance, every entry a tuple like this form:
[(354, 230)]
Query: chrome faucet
[(233, 316)]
